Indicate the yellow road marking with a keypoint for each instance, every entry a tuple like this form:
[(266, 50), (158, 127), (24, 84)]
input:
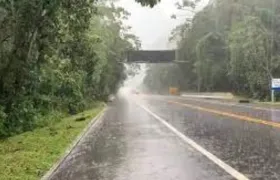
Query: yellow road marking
[(240, 117)]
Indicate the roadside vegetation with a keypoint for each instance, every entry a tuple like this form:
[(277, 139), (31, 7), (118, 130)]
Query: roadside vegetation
[(58, 59), (31, 154), (229, 46), (58, 56)]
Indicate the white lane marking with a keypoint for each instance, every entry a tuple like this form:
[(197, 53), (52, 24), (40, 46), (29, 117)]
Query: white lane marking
[(234, 173)]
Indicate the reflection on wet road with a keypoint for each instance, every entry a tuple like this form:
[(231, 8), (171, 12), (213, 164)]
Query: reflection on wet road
[(132, 144), (251, 148)]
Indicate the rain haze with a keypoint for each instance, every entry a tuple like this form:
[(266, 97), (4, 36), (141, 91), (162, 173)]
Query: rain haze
[(95, 90), (153, 27)]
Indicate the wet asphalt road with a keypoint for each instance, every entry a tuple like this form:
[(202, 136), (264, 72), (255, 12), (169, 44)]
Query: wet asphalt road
[(133, 145)]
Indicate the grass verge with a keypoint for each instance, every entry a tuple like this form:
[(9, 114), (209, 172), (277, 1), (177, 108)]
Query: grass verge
[(29, 155)]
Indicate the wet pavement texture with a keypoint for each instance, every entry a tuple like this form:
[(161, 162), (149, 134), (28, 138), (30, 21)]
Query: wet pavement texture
[(132, 145), (251, 148), (244, 109)]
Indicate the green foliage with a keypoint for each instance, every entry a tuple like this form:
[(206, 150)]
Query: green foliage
[(59, 54), (210, 66), (150, 3), (30, 154), (249, 47), (230, 45), (167, 77)]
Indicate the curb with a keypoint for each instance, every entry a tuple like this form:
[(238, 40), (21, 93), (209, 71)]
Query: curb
[(68, 151), (223, 99), (207, 97), (220, 98)]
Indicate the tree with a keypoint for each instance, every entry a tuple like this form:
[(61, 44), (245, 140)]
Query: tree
[(231, 45), (58, 55)]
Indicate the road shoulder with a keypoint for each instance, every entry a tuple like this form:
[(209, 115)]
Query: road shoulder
[(29, 155), (96, 121)]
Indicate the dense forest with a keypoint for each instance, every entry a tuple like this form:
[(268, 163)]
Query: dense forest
[(58, 56), (230, 45)]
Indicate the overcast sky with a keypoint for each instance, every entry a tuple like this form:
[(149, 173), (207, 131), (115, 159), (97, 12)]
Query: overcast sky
[(153, 26)]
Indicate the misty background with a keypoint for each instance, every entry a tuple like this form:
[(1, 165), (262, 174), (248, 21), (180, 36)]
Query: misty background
[(153, 26)]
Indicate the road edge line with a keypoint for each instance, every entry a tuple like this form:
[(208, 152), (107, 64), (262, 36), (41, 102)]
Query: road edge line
[(230, 170), (71, 147)]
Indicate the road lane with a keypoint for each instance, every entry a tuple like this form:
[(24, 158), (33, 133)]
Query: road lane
[(133, 145), (251, 148), (229, 114), (233, 172), (250, 110)]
